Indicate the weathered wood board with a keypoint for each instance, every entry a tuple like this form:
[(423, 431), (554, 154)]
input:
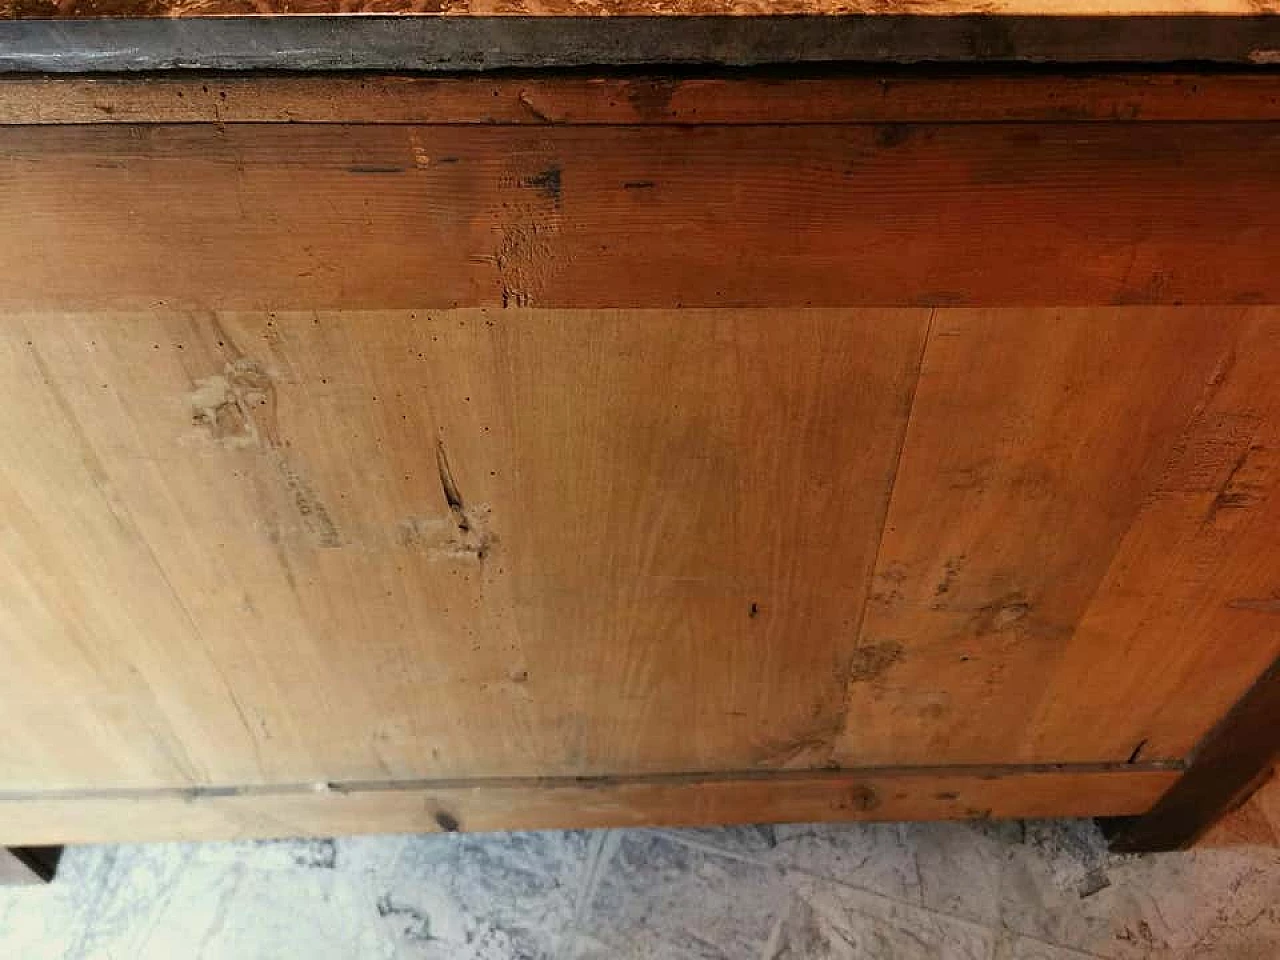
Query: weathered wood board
[(587, 471), (323, 810)]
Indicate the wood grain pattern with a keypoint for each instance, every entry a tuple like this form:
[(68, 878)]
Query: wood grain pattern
[(654, 99), (294, 546), (322, 811), (27, 866), (312, 216), (1195, 565)]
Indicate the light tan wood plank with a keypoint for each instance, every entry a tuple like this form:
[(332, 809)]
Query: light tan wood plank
[(288, 547), (1255, 824), (658, 99), (1186, 618), (1034, 441), (923, 794)]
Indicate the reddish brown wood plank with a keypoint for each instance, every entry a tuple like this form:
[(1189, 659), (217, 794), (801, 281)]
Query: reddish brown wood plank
[(277, 216)]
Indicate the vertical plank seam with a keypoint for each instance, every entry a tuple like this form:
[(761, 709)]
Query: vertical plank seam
[(842, 720)]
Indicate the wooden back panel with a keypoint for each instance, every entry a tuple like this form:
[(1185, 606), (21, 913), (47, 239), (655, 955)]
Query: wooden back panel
[(419, 453)]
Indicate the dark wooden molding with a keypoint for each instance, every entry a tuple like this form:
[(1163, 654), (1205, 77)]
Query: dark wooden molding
[(28, 865), (480, 804), (1234, 760)]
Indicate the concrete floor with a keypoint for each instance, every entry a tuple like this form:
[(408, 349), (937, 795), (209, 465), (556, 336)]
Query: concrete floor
[(1008, 891)]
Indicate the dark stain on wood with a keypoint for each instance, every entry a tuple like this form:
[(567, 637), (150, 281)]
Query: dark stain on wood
[(473, 538)]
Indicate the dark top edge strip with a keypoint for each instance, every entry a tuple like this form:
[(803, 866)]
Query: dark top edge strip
[(444, 44)]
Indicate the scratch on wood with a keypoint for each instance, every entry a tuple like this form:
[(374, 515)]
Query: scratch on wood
[(863, 796), (520, 261)]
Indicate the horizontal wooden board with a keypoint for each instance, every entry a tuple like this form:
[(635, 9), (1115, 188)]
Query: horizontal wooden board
[(746, 98), (289, 547), (327, 810), (280, 216), (634, 8)]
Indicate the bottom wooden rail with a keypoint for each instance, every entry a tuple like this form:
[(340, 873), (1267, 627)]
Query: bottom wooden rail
[(908, 793)]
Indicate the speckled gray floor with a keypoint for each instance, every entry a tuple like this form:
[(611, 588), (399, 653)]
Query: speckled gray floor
[(1012, 891)]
